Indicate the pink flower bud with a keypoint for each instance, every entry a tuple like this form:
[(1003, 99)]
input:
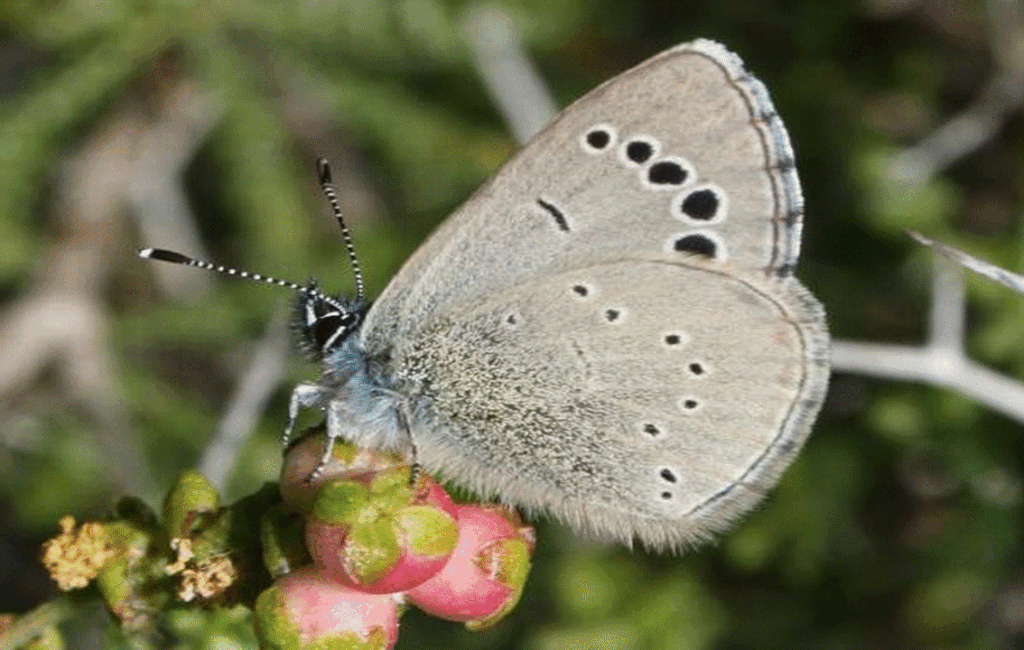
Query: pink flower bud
[(305, 609), (346, 461), (377, 534), (484, 578)]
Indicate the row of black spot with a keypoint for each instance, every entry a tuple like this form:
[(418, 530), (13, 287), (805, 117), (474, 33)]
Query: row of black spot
[(694, 367), (702, 204), (639, 151), (690, 404), (611, 315)]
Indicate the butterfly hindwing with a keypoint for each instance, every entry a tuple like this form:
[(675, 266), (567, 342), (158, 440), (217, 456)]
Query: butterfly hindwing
[(604, 405)]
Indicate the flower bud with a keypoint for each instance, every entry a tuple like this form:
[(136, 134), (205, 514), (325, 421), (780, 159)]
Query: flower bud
[(307, 610), (282, 540), (346, 461), (190, 504), (484, 578), (377, 534)]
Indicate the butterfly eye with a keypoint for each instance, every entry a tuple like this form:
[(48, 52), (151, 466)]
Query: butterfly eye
[(333, 329), (324, 329)]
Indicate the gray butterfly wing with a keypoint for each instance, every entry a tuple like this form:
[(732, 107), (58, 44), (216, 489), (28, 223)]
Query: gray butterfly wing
[(609, 331), (562, 203), (660, 413)]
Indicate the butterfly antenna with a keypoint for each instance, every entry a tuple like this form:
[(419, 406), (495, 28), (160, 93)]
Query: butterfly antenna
[(165, 255), (331, 194)]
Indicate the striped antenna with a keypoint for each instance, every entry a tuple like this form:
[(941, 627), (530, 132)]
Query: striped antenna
[(165, 255), (331, 194)]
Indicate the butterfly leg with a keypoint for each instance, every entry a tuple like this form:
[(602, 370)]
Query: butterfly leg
[(304, 395), (334, 428), (415, 469)]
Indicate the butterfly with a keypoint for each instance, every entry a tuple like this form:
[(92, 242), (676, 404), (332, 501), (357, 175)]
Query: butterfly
[(609, 331)]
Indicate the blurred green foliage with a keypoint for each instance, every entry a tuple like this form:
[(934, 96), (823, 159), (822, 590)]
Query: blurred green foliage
[(900, 526)]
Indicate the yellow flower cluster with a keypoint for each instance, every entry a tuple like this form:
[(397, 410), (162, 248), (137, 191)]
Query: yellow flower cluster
[(204, 578), (75, 557)]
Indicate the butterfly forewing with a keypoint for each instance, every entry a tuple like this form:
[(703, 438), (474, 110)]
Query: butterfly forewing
[(710, 177)]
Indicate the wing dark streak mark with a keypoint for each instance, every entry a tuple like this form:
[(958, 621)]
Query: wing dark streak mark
[(557, 214)]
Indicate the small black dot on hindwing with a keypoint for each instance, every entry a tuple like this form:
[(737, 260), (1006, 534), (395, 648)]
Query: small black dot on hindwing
[(652, 430)]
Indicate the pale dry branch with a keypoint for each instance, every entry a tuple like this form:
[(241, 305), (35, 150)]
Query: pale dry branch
[(156, 190), (507, 71), (61, 320), (1002, 96), (1009, 279), (942, 361), (265, 373)]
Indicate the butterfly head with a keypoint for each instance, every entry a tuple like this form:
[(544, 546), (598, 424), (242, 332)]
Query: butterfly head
[(323, 323)]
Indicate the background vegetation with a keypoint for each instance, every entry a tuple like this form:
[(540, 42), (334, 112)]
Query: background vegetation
[(195, 124)]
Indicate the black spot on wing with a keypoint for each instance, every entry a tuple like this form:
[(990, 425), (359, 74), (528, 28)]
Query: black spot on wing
[(555, 213), (697, 244), (639, 151), (599, 138), (701, 205)]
